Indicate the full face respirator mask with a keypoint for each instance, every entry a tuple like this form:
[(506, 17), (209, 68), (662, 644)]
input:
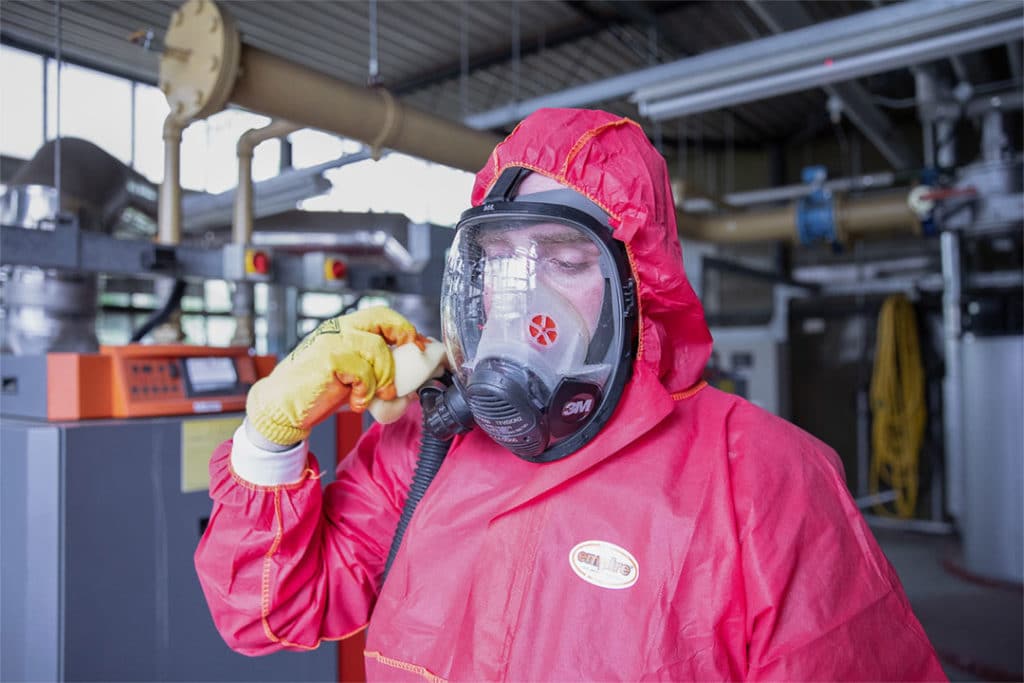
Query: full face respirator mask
[(539, 321)]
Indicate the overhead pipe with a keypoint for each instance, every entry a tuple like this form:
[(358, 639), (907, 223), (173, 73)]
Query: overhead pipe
[(168, 330), (243, 297), (209, 67), (205, 66), (786, 193), (357, 242), (831, 71), (849, 99), (826, 42), (1005, 101), (241, 227), (169, 206), (851, 219), (872, 29), (270, 196), (372, 116)]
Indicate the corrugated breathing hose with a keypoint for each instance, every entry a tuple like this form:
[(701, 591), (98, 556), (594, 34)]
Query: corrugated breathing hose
[(432, 453)]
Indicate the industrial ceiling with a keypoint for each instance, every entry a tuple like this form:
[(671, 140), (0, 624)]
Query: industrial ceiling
[(476, 61)]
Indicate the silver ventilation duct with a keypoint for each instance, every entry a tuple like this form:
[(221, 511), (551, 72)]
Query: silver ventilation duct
[(101, 192), (50, 310), (379, 239)]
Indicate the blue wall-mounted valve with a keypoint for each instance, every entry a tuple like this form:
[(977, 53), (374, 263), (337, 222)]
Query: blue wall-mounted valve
[(815, 212)]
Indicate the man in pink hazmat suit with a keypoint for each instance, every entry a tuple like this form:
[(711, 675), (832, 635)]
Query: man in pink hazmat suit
[(601, 514)]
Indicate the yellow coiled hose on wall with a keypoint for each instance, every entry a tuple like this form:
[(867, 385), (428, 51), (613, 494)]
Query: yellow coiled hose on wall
[(897, 406)]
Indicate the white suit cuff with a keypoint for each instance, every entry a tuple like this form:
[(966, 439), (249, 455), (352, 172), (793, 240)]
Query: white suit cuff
[(266, 468)]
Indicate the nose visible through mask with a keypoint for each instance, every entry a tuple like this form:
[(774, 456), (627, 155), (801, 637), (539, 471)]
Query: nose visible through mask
[(532, 325)]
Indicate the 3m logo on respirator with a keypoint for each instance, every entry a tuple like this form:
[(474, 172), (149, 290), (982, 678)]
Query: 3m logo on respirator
[(604, 564), (577, 408)]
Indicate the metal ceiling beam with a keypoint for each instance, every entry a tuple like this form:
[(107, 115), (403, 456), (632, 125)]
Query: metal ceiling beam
[(780, 17), (617, 14), (1013, 52), (591, 23), (858, 34), (642, 14), (975, 69), (893, 22), (494, 57), (842, 69)]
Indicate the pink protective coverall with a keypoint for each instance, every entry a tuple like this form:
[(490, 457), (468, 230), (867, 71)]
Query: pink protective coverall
[(728, 545)]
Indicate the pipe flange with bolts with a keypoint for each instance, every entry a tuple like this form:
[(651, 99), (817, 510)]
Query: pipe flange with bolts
[(199, 64)]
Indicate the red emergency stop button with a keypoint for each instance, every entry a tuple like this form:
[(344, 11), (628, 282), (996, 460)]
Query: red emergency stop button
[(256, 262), (334, 269)]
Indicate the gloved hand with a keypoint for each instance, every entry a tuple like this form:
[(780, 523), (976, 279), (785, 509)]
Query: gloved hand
[(413, 367), (345, 358)]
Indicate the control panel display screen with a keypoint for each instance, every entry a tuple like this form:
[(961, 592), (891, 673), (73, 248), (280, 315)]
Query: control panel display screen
[(207, 375)]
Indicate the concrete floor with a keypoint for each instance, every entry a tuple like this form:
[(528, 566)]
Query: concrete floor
[(977, 629)]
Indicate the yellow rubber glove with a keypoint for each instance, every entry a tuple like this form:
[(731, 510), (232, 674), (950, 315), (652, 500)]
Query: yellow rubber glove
[(345, 358)]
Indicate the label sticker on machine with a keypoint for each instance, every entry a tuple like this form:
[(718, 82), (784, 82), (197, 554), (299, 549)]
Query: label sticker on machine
[(206, 375), (207, 406), (199, 438)]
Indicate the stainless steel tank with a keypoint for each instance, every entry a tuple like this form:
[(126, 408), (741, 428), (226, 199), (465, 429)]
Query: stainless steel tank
[(993, 400), (44, 310), (48, 310)]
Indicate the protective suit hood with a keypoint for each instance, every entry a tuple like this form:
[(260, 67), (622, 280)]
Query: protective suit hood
[(609, 160)]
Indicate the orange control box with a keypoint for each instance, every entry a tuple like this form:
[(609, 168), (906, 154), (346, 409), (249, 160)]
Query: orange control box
[(143, 381)]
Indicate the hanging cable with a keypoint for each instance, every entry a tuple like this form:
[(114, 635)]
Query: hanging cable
[(373, 77), (58, 44), (516, 54), (681, 130), (464, 60), (897, 406), (730, 152), (159, 317)]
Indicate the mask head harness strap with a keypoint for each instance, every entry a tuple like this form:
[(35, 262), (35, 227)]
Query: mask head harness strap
[(507, 185)]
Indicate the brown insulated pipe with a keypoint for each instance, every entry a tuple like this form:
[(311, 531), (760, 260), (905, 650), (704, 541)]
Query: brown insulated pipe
[(277, 87), (205, 66), (856, 218)]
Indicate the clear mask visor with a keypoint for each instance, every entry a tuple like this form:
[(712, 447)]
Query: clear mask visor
[(533, 292)]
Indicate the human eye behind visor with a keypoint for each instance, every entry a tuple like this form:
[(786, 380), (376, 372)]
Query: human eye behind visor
[(558, 252), (574, 259)]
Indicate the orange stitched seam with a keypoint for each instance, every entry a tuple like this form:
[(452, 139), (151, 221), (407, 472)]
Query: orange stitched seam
[(347, 635), (404, 666), (265, 577), (687, 393), (639, 304), (586, 138), (265, 587)]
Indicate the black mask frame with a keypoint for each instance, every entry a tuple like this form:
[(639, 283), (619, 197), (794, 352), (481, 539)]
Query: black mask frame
[(450, 413)]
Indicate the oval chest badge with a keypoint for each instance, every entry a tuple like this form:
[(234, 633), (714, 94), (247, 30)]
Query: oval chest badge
[(604, 564)]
